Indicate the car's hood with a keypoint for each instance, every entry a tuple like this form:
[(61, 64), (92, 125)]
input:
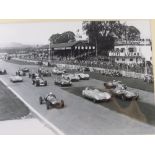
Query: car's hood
[(99, 95)]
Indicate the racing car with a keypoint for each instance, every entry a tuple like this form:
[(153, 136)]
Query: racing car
[(20, 73), (62, 82), (71, 77), (125, 94), (82, 76), (44, 72), (51, 101), (3, 72), (96, 95), (33, 75), (114, 84), (25, 70), (38, 81), (58, 71), (16, 78), (86, 69)]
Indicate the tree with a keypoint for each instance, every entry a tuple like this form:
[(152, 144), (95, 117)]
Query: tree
[(53, 39), (105, 33), (62, 38), (102, 33)]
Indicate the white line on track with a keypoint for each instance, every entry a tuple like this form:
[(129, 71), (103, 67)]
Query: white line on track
[(52, 126)]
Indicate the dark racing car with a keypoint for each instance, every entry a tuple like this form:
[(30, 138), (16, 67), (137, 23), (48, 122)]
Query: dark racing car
[(51, 101), (44, 72), (3, 72), (20, 73), (38, 81)]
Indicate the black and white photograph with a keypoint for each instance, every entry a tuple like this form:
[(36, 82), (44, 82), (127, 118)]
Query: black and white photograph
[(76, 77)]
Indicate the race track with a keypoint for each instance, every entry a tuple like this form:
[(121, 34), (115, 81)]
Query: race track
[(80, 116)]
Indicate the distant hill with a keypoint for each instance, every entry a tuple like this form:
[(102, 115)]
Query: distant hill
[(15, 45)]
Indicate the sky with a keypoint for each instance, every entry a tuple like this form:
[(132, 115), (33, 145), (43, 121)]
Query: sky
[(39, 32)]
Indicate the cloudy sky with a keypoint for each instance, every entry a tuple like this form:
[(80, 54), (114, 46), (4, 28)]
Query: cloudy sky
[(38, 33)]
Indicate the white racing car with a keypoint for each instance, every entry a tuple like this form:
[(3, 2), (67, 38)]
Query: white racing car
[(114, 84), (125, 94), (82, 76), (16, 78), (62, 82), (71, 77), (96, 95), (58, 71)]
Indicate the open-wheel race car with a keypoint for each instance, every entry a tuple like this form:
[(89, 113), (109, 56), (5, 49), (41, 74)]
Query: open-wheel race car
[(113, 84), (62, 82), (82, 76), (96, 95), (51, 101), (33, 75), (38, 81), (3, 72), (21, 73), (125, 94), (44, 72), (16, 78)]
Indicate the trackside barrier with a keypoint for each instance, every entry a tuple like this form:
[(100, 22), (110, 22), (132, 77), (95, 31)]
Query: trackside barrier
[(103, 70), (92, 69)]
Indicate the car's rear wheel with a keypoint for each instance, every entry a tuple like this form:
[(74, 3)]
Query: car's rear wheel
[(37, 84), (48, 106)]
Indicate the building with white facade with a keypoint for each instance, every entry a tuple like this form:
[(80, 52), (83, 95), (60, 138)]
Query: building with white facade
[(130, 52)]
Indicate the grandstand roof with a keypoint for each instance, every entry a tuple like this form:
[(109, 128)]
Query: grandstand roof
[(64, 45)]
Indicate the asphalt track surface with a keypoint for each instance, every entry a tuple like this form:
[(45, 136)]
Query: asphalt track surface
[(80, 116)]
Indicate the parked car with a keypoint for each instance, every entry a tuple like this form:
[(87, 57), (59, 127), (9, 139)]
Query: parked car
[(62, 82), (51, 101), (3, 72), (71, 77), (83, 76), (96, 95), (16, 78), (38, 81)]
